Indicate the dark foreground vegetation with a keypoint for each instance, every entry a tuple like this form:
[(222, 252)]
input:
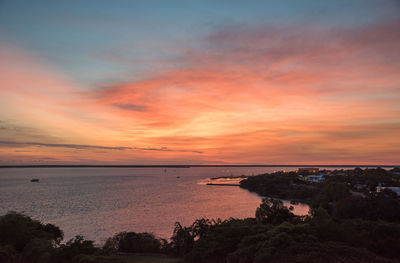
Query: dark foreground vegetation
[(343, 226)]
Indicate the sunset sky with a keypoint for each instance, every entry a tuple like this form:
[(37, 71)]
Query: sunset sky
[(199, 82)]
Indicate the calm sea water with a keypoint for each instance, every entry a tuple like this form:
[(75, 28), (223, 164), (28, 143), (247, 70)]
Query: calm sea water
[(99, 202)]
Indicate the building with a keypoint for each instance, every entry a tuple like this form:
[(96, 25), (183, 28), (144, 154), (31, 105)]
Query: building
[(394, 189), (307, 170), (313, 178)]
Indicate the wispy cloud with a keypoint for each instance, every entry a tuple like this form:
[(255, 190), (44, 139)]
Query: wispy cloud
[(308, 86), (243, 94), (83, 146), (130, 107), (239, 74)]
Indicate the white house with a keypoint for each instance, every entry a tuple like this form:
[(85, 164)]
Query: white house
[(313, 178), (394, 189)]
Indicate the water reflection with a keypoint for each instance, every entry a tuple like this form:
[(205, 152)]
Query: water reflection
[(99, 202)]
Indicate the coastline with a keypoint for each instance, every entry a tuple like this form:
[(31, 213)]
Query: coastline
[(331, 232), (198, 165)]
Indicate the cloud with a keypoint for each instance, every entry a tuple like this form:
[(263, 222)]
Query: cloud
[(130, 107), (83, 146), (242, 94), (275, 93), (10, 131), (239, 74)]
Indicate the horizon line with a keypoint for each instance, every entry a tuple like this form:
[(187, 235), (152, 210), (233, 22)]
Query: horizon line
[(191, 165)]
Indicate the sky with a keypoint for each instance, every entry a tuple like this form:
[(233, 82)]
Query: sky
[(199, 82)]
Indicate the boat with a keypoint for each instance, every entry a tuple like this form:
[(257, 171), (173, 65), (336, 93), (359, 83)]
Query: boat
[(34, 180)]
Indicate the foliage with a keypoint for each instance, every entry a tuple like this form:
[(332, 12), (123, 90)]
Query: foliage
[(74, 250), (384, 205), (343, 226), (319, 239), (222, 239), (272, 211), (18, 230), (8, 254), (150, 259), (182, 239), (38, 250), (135, 243), (328, 195), (279, 185)]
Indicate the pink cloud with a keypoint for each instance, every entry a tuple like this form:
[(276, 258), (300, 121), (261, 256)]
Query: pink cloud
[(244, 80), (303, 94)]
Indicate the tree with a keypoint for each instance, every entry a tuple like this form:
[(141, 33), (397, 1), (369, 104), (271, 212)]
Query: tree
[(329, 194), (182, 239), (18, 230), (272, 211), (74, 249), (134, 242)]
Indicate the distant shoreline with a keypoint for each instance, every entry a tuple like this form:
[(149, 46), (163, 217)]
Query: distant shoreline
[(195, 165)]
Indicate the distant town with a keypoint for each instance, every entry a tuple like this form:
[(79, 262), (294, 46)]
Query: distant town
[(390, 179)]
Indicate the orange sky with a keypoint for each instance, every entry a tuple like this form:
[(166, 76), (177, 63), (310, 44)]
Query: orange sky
[(252, 95)]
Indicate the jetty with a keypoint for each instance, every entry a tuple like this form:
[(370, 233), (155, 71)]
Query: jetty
[(223, 184)]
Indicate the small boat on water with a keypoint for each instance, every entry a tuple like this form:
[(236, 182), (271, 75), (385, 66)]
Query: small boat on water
[(34, 180)]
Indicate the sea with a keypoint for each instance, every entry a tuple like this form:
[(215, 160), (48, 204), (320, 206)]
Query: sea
[(97, 203)]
